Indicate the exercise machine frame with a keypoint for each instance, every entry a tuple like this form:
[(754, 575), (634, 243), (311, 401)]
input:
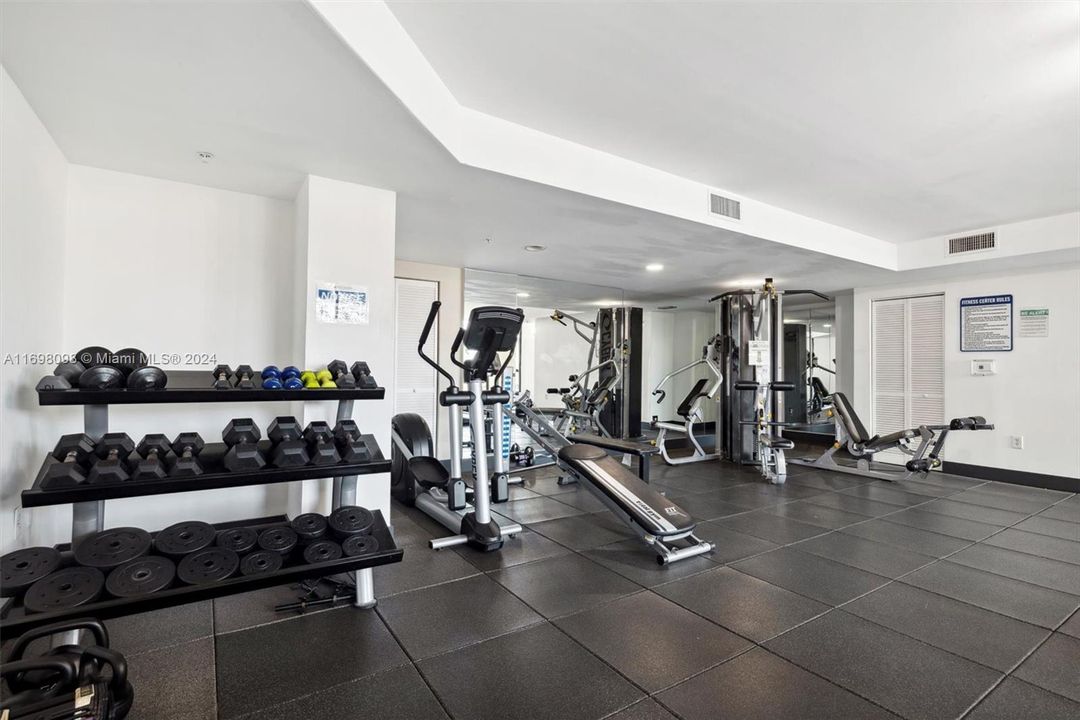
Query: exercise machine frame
[(690, 409)]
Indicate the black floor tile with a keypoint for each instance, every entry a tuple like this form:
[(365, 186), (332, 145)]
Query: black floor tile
[(921, 541), (449, 616), (1034, 544), (420, 567), (525, 547), (874, 557), (1052, 574), (247, 610), (750, 496), (410, 533), (397, 694), (271, 664), (820, 515), (850, 503), (978, 496), (944, 480), (978, 513), (761, 686), (815, 577), (706, 506), (535, 674), (904, 675), (645, 710), (635, 560), (822, 479), (582, 499), (582, 532), (135, 634), (888, 493), (1023, 491), (1049, 526), (174, 683), (652, 641), (693, 484), (1014, 699), (750, 607), (1071, 626), (564, 585), (943, 524), (1023, 601), (986, 637), (545, 482), (730, 545), (1069, 512), (1055, 666), (773, 528), (537, 510)]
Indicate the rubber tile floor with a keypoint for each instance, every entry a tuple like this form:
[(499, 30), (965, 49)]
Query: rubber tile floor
[(829, 597)]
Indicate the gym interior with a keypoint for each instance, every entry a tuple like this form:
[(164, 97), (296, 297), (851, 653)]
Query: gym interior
[(582, 360)]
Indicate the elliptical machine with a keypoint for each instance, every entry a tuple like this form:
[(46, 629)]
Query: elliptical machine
[(418, 478)]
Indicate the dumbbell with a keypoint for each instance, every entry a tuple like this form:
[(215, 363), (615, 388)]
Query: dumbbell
[(271, 378), (290, 450), (128, 360), (341, 374), (100, 377), (152, 449), (308, 379), (187, 447), (222, 374), (72, 451), (244, 375), (113, 452), (64, 377), (93, 356), (290, 371), (147, 377), (362, 373), (242, 436), (320, 440), (326, 379), (349, 443)]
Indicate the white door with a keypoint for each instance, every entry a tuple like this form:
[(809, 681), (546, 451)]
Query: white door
[(907, 363), (417, 388)]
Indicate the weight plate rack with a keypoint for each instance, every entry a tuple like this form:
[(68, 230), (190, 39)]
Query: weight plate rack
[(193, 386)]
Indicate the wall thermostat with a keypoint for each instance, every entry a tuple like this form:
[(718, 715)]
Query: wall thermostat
[(984, 367)]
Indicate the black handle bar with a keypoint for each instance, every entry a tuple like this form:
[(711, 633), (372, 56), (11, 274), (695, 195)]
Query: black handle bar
[(434, 313)]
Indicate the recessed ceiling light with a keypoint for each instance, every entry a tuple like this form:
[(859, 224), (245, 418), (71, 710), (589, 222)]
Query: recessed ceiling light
[(205, 156), (535, 248), (654, 267), (525, 294), (667, 307), (827, 325)]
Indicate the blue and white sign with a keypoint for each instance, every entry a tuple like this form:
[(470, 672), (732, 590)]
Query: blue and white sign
[(986, 323), (341, 304)]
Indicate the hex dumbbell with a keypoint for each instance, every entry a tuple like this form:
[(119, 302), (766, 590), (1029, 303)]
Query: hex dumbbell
[(153, 450), (350, 446), (222, 375), (242, 436), (113, 452), (290, 449), (362, 373), (72, 451), (320, 440), (340, 371), (244, 375), (187, 447)]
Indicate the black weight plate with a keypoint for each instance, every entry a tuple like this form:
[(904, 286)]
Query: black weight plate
[(147, 378), (322, 551), (309, 527), (113, 547), (208, 566), (93, 355), (128, 359), (281, 540), (141, 577), (22, 568), (185, 537), (360, 545), (239, 540), (63, 589), (260, 562), (100, 377), (351, 520)]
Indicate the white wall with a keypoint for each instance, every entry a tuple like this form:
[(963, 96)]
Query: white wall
[(33, 190), (1036, 391), (672, 340), (451, 316)]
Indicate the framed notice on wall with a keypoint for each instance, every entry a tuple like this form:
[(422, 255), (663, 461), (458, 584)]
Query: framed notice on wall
[(986, 323), (341, 304)]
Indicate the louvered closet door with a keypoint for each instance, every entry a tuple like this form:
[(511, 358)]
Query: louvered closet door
[(417, 389), (890, 367), (926, 360)]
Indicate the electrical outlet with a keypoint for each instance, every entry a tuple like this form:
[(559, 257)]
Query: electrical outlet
[(1016, 442)]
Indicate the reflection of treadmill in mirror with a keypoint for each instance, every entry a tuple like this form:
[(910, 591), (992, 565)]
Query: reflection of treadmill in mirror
[(418, 478)]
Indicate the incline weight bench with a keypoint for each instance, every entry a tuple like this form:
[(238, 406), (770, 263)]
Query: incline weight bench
[(852, 434)]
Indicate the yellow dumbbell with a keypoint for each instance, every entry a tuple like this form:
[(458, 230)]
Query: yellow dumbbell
[(326, 379), (308, 378)]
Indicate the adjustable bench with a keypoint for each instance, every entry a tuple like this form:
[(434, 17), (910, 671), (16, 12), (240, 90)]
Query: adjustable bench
[(852, 435)]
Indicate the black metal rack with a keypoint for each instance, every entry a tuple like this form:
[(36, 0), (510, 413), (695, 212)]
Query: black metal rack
[(16, 620)]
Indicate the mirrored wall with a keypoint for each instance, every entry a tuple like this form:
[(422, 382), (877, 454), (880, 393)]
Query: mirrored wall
[(810, 357)]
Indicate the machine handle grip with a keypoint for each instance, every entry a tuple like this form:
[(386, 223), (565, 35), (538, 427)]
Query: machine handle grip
[(661, 393), (432, 314), (782, 386), (745, 385)]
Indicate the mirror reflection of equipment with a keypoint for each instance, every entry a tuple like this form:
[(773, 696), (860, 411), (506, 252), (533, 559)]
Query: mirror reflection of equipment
[(691, 408)]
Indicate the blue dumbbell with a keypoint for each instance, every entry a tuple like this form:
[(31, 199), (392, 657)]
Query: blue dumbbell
[(271, 378), (293, 383), (291, 371)]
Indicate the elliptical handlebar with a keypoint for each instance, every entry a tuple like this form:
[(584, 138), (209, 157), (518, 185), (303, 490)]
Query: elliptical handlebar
[(432, 314)]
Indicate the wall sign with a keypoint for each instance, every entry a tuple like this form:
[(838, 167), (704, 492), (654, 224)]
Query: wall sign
[(341, 304), (1034, 322), (758, 350), (986, 323)]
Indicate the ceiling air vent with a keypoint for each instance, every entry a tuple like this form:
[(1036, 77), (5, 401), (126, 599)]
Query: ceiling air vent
[(971, 243), (720, 205)]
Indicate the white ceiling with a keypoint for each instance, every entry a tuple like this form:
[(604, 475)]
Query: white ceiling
[(900, 120)]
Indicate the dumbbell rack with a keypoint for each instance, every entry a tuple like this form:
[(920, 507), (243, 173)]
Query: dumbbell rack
[(88, 501)]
